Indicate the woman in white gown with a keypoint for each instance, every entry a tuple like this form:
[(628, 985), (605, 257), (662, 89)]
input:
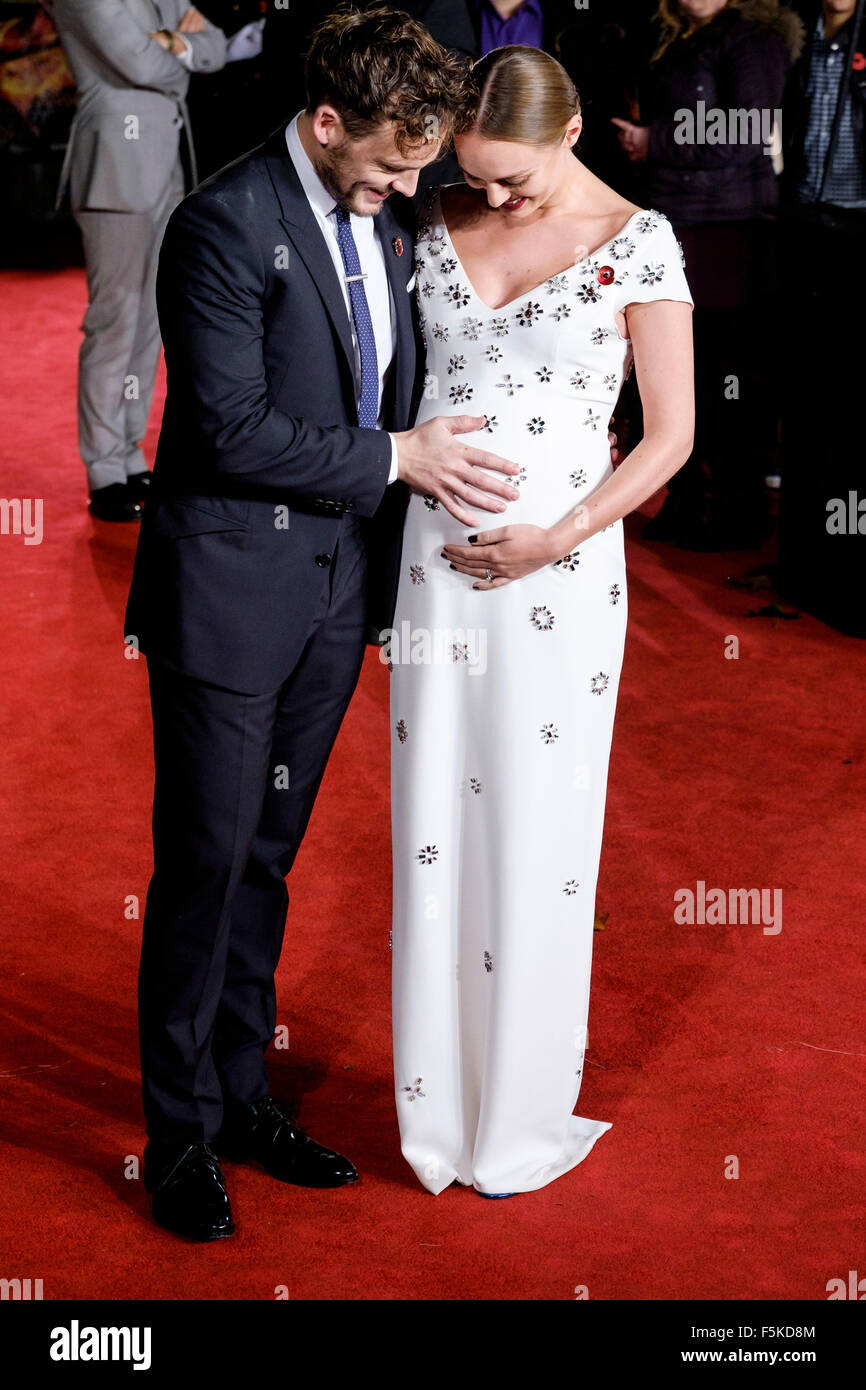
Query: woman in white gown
[(538, 287)]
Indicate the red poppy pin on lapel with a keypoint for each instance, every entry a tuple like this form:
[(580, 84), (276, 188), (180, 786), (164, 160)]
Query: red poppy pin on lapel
[(397, 243)]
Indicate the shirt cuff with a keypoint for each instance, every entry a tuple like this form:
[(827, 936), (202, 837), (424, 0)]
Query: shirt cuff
[(392, 476), (186, 56)]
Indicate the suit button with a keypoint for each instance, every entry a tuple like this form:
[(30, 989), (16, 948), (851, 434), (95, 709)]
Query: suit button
[(323, 561)]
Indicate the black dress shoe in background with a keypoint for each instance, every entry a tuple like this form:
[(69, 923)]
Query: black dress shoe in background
[(138, 484), (115, 503), (189, 1194), (264, 1133)]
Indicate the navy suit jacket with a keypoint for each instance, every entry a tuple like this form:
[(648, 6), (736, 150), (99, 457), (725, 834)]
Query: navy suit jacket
[(260, 455)]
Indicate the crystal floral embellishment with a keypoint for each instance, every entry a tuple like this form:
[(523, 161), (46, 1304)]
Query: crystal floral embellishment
[(578, 478), (414, 1091), (561, 311), (471, 329), (475, 786), (571, 887), (588, 293), (461, 391), (557, 284), (499, 328), (431, 502), (428, 855), (614, 593), (610, 381), (622, 248), (416, 574), (493, 353), (402, 731), (599, 683), (427, 289), (448, 266), (488, 962), (544, 374), (529, 313), (440, 332), (508, 385), (436, 244), (535, 425), (491, 423), (541, 618), (457, 294), (459, 653), (592, 420), (568, 562), (652, 274), (580, 380), (457, 363), (600, 335), (648, 222), (549, 733)]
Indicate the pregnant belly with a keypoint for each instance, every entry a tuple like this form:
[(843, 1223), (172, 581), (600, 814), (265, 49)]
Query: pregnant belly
[(557, 473)]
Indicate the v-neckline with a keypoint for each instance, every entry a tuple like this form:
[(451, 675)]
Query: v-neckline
[(641, 212)]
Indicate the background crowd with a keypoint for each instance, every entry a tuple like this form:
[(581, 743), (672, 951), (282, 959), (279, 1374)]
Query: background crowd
[(768, 209)]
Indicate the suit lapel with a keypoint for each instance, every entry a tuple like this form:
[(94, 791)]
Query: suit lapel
[(299, 221), (405, 355), (307, 239)]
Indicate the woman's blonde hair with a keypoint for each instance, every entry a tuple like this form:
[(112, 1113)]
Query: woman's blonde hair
[(674, 24), (520, 94)]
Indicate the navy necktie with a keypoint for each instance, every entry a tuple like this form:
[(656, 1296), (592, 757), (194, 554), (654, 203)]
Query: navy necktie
[(368, 404)]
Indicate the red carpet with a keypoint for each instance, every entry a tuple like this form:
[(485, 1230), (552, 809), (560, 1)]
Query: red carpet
[(706, 1042)]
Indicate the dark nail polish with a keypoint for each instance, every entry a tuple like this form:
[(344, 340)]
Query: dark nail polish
[(452, 567), (473, 539)]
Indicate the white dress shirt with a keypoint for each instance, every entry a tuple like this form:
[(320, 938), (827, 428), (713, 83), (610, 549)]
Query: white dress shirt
[(370, 254)]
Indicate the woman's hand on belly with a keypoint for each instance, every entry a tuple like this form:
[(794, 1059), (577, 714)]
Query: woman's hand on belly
[(497, 557)]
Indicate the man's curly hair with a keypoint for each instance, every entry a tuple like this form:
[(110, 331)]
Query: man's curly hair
[(377, 65)]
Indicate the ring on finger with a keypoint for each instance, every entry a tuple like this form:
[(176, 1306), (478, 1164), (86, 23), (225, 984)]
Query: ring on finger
[(489, 576)]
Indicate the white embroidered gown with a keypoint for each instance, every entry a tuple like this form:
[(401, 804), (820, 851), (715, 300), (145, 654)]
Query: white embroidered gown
[(502, 711)]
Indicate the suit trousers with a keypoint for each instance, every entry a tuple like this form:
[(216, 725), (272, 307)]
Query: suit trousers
[(118, 357), (236, 776)]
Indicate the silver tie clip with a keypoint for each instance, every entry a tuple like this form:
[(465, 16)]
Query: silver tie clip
[(356, 277)]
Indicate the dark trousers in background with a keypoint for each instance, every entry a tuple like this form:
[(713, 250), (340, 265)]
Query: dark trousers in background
[(226, 829), (822, 560), (732, 275)]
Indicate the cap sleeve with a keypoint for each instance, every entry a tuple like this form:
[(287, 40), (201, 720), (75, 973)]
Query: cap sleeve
[(657, 269)]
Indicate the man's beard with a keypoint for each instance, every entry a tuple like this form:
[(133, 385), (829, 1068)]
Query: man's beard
[(329, 169)]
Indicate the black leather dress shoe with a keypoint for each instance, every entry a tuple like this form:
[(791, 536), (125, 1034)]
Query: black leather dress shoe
[(189, 1195), (138, 484), (115, 503), (264, 1133)]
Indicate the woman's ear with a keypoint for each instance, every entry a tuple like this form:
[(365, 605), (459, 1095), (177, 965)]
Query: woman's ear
[(572, 131)]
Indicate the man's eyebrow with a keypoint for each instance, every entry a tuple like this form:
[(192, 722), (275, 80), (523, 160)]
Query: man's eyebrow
[(509, 178)]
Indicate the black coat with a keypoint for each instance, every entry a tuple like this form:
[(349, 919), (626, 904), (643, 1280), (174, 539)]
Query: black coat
[(260, 414), (733, 63)]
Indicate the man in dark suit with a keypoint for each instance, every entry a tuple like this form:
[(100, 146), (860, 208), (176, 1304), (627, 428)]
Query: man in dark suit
[(270, 543)]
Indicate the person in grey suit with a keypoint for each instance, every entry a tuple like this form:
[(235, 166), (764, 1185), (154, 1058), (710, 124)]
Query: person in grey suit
[(126, 169)]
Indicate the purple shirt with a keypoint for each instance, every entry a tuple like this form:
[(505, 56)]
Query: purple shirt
[(525, 26)]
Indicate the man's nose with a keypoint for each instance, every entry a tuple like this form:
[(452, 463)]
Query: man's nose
[(406, 184)]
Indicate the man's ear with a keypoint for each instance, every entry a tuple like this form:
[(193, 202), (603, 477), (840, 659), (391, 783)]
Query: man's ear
[(327, 125)]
